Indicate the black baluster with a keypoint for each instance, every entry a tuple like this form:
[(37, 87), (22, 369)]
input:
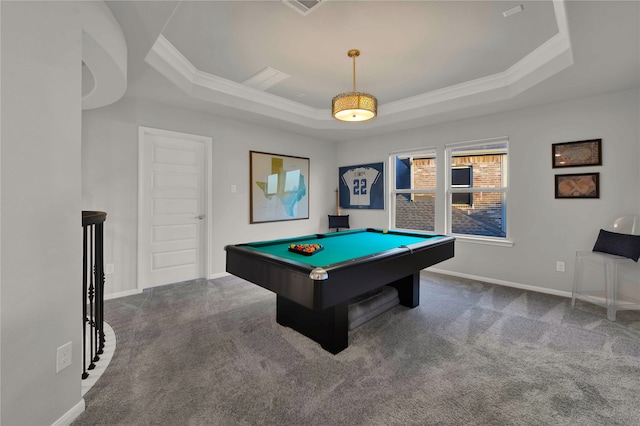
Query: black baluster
[(93, 281), (100, 286), (91, 297), (84, 302)]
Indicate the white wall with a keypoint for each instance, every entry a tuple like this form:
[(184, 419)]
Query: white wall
[(40, 191), (543, 229), (41, 246), (110, 176)]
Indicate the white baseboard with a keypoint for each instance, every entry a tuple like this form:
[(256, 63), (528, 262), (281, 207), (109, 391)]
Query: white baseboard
[(504, 283), (107, 354), (121, 294), (136, 291), (68, 417), (219, 275), (473, 277)]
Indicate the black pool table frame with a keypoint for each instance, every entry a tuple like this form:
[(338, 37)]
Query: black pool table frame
[(314, 301)]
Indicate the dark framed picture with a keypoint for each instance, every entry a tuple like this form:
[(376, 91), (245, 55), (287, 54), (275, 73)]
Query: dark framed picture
[(577, 154), (279, 187), (361, 186), (578, 185)]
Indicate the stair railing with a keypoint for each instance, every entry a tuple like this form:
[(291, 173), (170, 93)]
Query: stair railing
[(92, 289)]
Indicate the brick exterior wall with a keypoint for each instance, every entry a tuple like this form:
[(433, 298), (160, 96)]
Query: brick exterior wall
[(424, 173), (486, 207)]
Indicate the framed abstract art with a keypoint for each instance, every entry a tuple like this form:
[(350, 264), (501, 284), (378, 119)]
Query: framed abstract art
[(279, 187)]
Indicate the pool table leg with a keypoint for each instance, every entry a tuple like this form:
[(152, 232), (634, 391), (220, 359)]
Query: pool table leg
[(408, 290), (329, 328)]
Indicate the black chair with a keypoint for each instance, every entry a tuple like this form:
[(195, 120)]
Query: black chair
[(338, 222)]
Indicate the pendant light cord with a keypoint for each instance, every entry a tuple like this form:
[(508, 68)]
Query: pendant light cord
[(354, 73)]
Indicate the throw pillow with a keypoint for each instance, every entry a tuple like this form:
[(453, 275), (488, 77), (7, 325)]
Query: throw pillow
[(619, 244)]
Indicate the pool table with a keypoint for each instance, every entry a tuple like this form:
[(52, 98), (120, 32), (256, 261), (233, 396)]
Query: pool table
[(314, 291)]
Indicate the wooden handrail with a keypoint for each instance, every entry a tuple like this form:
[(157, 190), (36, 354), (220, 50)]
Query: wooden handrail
[(93, 217)]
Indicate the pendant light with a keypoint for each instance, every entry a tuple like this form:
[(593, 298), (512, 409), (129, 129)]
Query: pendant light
[(354, 106)]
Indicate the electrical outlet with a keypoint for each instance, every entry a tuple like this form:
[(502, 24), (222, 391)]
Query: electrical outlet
[(63, 359), (109, 268), (560, 266)]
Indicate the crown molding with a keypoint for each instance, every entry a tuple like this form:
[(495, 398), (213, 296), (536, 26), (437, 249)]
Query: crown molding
[(546, 60), (543, 62), (104, 52), (171, 63)]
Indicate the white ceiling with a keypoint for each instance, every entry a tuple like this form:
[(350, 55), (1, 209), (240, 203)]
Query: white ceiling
[(426, 62)]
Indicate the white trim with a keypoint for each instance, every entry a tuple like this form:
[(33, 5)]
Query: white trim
[(391, 179), (448, 190), (170, 62), (546, 60), (219, 275), (139, 285), (121, 294), (477, 239), (421, 153), (208, 177), (428, 153), (73, 413), (417, 151), (207, 142), (476, 142), (107, 354), (104, 52), (416, 191), (503, 283), (464, 189)]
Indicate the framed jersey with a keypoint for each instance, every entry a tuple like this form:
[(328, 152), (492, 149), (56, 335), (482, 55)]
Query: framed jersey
[(361, 186)]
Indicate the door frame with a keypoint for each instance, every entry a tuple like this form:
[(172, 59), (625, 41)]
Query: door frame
[(143, 214)]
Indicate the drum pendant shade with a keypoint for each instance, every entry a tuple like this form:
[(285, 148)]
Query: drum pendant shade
[(354, 106)]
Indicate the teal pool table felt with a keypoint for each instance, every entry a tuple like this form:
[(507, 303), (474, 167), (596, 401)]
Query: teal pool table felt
[(341, 246)]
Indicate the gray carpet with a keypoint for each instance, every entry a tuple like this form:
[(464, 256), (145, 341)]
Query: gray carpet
[(211, 353)]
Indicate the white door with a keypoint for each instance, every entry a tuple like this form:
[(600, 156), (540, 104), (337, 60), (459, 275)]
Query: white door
[(172, 214)]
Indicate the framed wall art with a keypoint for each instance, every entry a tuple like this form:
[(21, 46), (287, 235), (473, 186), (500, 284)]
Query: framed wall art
[(361, 186), (580, 185), (279, 187), (577, 154)]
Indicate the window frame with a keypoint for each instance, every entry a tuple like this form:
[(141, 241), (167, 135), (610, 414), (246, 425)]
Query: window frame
[(450, 189), (427, 152), (468, 185)]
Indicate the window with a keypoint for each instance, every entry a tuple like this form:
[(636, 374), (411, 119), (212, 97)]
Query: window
[(413, 197), (461, 178), (471, 198), (476, 191)]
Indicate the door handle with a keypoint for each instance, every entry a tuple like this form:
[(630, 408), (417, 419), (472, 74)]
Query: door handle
[(199, 217)]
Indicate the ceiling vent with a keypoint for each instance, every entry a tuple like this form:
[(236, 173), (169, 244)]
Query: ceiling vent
[(304, 6)]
